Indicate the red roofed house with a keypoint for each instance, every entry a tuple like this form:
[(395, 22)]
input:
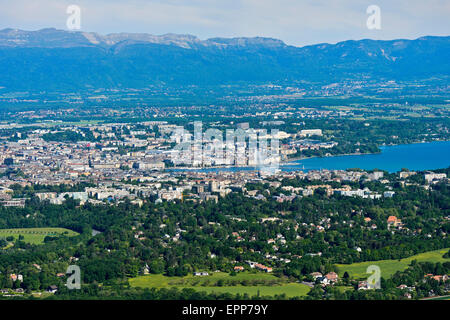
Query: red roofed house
[(263, 267), (332, 276), (393, 220)]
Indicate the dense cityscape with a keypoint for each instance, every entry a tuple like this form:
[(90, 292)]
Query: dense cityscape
[(274, 233), (224, 159)]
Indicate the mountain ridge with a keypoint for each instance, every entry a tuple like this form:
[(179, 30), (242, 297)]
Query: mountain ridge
[(170, 38), (48, 37), (51, 59)]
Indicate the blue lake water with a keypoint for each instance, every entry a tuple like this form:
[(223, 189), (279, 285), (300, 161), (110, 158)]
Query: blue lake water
[(418, 156)]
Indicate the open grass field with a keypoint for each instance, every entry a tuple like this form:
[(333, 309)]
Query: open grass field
[(36, 235), (265, 284), (390, 267), (438, 298)]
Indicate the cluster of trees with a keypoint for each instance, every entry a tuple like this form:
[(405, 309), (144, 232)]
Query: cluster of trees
[(418, 285), (133, 238), (69, 136)]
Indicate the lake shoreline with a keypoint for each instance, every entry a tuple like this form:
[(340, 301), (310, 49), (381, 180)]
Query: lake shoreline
[(336, 158), (359, 153), (292, 160)]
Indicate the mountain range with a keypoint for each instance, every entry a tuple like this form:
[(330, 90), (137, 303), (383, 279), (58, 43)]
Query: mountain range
[(58, 60)]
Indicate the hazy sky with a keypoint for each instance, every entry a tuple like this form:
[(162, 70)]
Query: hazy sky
[(297, 22)]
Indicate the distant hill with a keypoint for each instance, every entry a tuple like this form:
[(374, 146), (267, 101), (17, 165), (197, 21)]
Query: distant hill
[(57, 60)]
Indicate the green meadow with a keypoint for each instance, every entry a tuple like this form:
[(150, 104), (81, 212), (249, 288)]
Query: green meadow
[(390, 267), (35, 235), (219, 282), (269, 285), (438, 298)]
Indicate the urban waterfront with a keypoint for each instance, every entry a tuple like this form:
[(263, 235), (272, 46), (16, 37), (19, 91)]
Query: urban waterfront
[(417, 156)]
